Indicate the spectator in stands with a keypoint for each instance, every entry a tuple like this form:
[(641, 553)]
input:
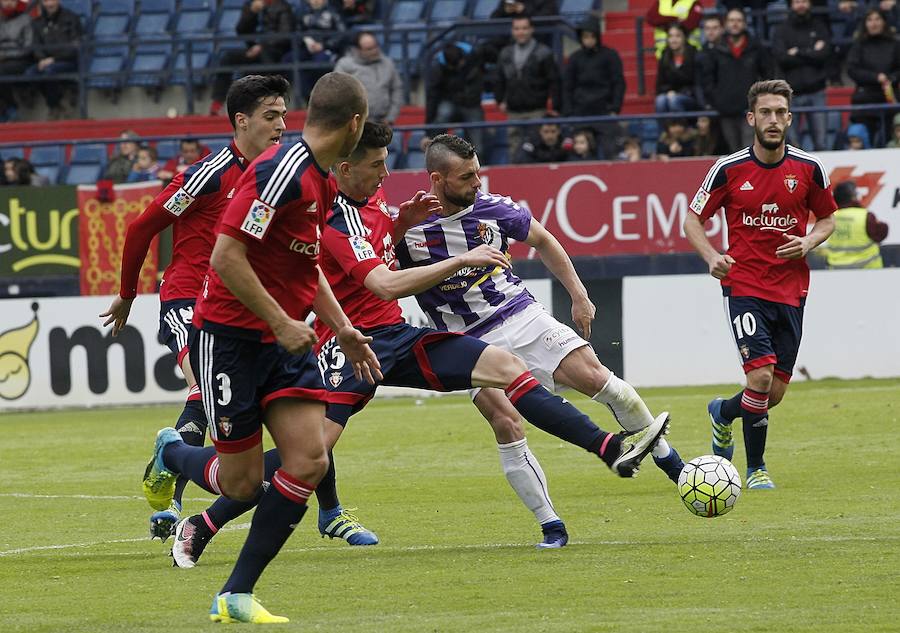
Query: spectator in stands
[(663, 14), (544, 147), (713, 29), (845, 22), (16, 37), (57, 33), (631, 150), (145, 166), (377, 73), (677, 141), (874, 64), (857, 137), (584, 146), (595, 84), (802, 48), (189, 152), (323, 40), (119, 167), (891, 13), (736, 63), (895, 134), (676, 76), (530, 8), (527, 77), (708, 141), (455, 84), (355, 11), (268, 18), (19, 172)]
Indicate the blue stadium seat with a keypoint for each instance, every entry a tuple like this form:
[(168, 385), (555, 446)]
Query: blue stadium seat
[(111, 26), (199, 62), (167, 149), (414, 140), (215, 143), (151, 30), (93, 153), (11, 152), (482, 9), (101, 65), (414, 160), (45, 155), (50, 172), (226, 21), (406, 11), (82, 174), (191, 21), (148, 70), (233, 4), (447, 10), (576, 9), (82, 8)]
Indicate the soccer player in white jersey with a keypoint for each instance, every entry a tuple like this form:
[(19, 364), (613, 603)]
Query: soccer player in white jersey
[(495, 305)]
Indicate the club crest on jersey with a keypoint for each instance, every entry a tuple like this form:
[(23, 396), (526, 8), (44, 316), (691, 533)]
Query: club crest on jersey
[(335, 379), (225, 425), (313, 208), (485, 233), (179, 202), (791, 182), (745, 351), (361, 248), (258, 219), (699, 201), (384, 208)]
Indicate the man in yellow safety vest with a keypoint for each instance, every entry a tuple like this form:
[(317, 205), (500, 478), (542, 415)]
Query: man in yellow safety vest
[(857, 232), (664, 13)]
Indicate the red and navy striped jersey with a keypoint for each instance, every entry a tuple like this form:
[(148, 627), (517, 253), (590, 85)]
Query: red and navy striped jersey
[(276, 212), (764, 203), (193, 202), (356, 239)]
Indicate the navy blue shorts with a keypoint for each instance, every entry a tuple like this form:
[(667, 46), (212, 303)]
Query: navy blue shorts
[(410, 357), (766, 333), (175, 326), (239, 376)]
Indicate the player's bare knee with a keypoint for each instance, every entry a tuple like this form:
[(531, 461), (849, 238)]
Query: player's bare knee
[(308, 468), (497, 368)]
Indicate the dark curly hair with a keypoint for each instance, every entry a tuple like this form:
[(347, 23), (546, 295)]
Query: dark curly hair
[(443, 146)]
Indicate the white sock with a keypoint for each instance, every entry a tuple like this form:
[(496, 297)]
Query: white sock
[(525, 475), (662, 448), (626, 405)]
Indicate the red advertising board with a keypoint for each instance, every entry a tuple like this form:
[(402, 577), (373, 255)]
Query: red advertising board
[(595, 209)]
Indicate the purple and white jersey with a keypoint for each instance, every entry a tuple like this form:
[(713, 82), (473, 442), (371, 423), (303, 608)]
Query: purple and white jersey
[(474, 300)]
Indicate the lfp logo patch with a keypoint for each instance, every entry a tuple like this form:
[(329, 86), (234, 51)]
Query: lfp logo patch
[(258, 219), (179, 202)]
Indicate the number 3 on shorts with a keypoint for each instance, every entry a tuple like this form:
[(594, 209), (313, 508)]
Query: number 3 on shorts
[(744, 324)]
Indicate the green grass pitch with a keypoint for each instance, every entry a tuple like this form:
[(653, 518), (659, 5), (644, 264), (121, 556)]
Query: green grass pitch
[(821, 553)]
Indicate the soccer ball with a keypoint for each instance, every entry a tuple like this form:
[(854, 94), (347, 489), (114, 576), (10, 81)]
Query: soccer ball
[(709, 486)]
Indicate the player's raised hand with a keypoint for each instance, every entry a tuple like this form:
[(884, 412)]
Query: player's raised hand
[(583, 311), (720, 265), (796, 247), (295, 336), (421, 206), (355, 346), (485, 255), (117, 312)]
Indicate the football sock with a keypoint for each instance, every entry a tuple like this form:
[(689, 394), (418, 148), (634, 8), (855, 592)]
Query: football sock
[(191, 425), (224, 509), (552, 414), (278, 513), (731, 408), (326, 491), (199, 464), (755, 416), (525, 475), (625, 404)]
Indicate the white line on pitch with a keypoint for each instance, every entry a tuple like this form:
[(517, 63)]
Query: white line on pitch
[(28, 495)]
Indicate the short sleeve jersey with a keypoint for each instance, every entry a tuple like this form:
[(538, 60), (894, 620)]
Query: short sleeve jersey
[(764, 203), (276, 212), (356, 239), (192, 204), (474, 300)]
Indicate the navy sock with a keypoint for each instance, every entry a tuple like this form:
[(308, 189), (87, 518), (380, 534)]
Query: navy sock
[(326, 491), (191, 425), (554, 415), (224, 509), (278, 513), (731, 408), (198, 464), (755, 416)]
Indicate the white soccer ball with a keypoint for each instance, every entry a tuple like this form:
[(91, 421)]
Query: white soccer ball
[(709, 485)]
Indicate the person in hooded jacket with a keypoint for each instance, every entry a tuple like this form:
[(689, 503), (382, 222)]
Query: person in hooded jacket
[(594, 84)]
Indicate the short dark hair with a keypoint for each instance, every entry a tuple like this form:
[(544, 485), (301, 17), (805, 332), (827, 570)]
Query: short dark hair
[(335, 99), (443, 146), (777, 87), (845, 193), (521, 16), (718, 17), (246, 93), (374, 136)]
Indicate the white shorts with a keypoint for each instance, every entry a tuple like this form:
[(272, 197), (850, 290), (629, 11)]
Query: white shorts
[(538, 339)]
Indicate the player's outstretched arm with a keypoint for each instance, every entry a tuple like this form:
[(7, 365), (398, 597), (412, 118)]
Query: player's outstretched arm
[(719, 264), (797, 246), (390, 284), (560, 265), (414, 211), (229, 260)]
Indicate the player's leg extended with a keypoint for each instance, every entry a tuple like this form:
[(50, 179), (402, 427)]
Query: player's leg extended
[(755, 419), (520, 466), (581, 370), (296, 428), (622, 453)]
